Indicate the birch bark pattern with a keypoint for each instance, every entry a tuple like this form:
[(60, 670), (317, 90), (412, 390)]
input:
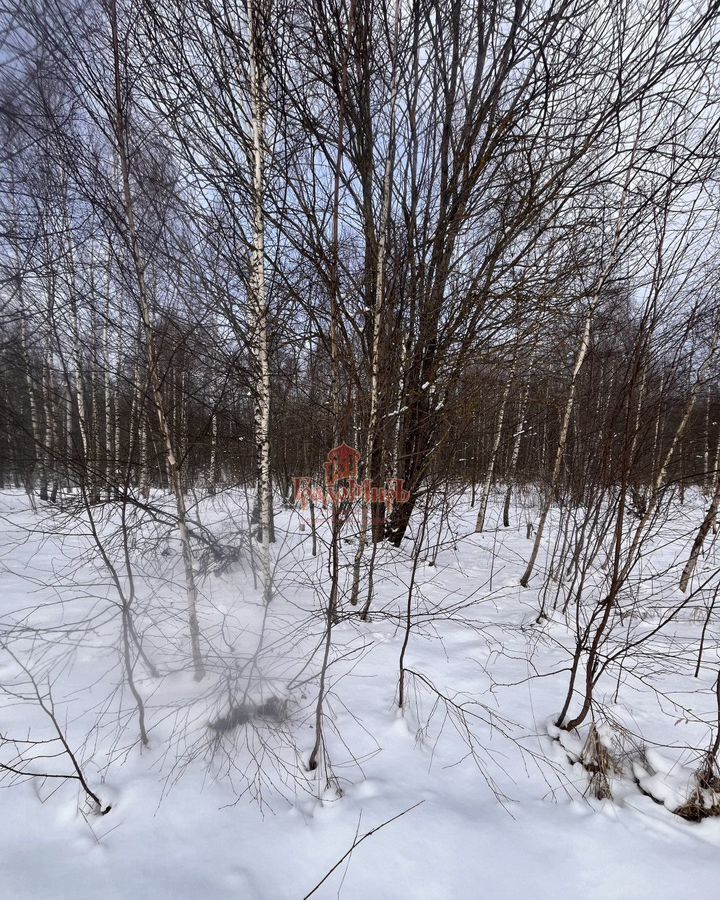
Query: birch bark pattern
[(27, 367), (258, 303), (517, 437), (32, 400), (110, 463)]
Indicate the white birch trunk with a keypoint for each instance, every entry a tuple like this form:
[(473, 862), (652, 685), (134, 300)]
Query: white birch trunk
[(707, 475), (213, 451), (49, 446), (77, 376), (485, 498), (32, 398), (515, 453), (258, 302), (109, 462)]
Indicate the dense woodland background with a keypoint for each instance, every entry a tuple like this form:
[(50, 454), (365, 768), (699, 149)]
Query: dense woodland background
[(458, 204)]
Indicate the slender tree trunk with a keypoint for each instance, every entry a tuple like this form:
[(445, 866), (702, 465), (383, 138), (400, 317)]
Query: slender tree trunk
[(371, 447), (335, 398), (707, 524), (560, 452), (121, 134), (258, 299), (661, 477), (485, 498), (110, 463), (213, 452), (517, 438)]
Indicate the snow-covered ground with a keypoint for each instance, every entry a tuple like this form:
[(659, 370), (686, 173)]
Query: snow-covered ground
[(493, 807)]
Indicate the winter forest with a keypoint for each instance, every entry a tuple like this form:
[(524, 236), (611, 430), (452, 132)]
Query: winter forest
[(359, 449)]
